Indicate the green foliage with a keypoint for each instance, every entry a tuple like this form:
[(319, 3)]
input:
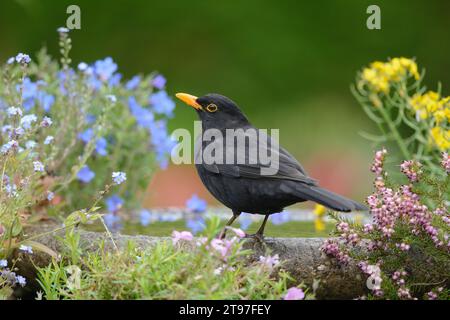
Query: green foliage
[(405, 251), (64, 133), (393, 96), (185, 270)]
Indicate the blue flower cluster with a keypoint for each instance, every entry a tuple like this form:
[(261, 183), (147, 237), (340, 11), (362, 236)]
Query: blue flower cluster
[(34, 92), (104, 72), (145, 118), (101, 143), (159, 103), (196, 204)]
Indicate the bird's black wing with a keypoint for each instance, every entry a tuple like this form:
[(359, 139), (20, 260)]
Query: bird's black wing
[(287, 166)]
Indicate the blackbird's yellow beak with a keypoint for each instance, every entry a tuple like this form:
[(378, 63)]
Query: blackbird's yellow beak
[(189, 100)]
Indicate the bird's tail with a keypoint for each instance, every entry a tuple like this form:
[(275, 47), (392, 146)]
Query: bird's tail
[(326, 198)]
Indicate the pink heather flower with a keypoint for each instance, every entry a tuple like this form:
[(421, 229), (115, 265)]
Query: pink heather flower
[(446, 162), (403, 246), (331, 247), (238, 232), (270, 261), (368, 228), (431, 295), (217, 244), (378, 293), (403, 293), (294, 293), (183, 235), (440, 211), (342, 227), (377, 166), (201, 241), (223, 246), (411, 169)]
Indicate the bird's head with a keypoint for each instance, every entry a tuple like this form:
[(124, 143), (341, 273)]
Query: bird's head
[(215, 110)]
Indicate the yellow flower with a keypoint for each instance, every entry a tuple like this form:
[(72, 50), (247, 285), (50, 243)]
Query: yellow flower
[(319, 210), (429, 104), (411, 65), (380, 74), (441, 138), (440, 115), (319, 225)]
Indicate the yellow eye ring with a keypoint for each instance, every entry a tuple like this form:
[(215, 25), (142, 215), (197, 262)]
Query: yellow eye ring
[(211, 107)]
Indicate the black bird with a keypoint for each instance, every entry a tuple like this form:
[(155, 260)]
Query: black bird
[(241, 185)]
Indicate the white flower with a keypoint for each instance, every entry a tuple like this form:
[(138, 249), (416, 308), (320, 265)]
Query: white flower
[(270, 261), (62, 30), (82, 66), (46, 122), (11, 190), (119, 177), (26, 249), (3, 263), (8, 146), (11, 60), (48, 139), (50, 195), (27, 120), (6, 128), (23, 58), (21, 280), (19, 131), (30, 144), (38, 166), (14, 111), (111, 98), (218, 271)]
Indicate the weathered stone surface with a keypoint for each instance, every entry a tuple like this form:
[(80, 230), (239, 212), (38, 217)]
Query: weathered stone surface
[(301, 258)]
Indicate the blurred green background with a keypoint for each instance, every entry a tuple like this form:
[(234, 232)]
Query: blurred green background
[(288, 64)]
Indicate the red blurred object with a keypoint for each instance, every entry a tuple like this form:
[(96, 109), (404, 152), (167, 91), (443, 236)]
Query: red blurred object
[(173, 186), (334, 171)]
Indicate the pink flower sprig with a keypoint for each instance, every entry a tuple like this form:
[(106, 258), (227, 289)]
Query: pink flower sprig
[(294, 293), (181, 236), (412, 169), (377, 166)]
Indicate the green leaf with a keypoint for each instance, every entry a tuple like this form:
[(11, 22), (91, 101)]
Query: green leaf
[(41, 247), (372, 137)]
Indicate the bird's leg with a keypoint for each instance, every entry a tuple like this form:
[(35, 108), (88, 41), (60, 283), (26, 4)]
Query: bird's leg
[(224, 230), (259, 235), (261, 229)]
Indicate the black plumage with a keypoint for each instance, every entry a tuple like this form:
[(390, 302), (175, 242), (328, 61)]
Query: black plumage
[(240, 185)]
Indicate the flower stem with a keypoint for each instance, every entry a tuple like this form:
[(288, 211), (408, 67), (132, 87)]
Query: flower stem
[(395, 133)]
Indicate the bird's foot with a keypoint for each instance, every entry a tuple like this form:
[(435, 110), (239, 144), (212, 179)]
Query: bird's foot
[(256, 236)]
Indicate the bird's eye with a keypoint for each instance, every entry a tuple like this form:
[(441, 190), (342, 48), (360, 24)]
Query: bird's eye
[(211, 107)]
